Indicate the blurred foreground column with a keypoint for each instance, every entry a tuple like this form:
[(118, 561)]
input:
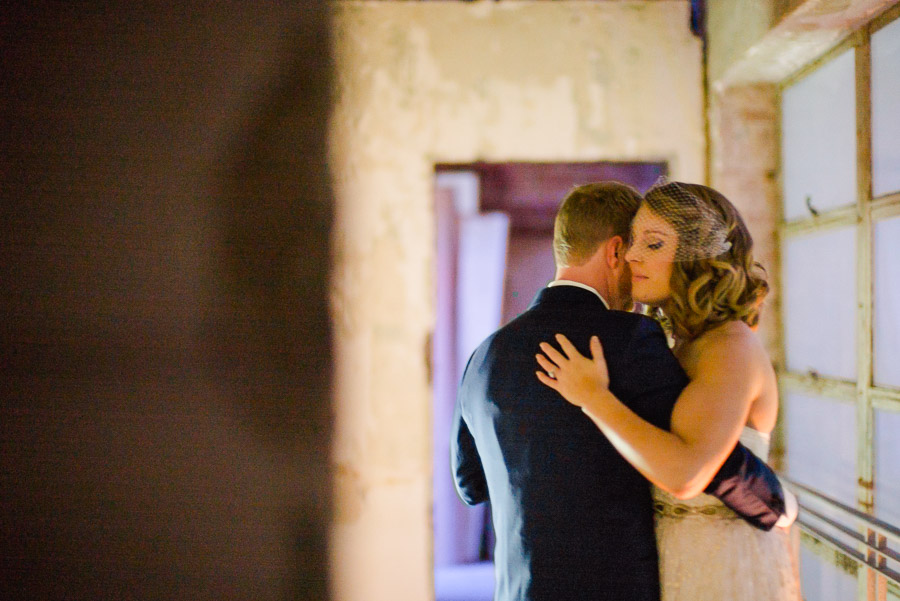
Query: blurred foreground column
[(165, 344)]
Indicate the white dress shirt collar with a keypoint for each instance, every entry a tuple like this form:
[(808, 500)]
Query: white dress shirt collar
[(578, 285)]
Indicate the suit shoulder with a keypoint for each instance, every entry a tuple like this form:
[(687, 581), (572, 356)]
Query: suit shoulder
[(501, 336), (635, 322), (513, 328), (642, 336)]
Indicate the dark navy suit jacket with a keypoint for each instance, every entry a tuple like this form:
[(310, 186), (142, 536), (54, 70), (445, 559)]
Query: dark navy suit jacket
[(573, 520)]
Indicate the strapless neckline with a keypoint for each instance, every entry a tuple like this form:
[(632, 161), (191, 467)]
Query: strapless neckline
[(756, 441), (754, 432)]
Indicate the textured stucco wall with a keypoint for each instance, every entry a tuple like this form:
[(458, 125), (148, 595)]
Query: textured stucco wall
[(421, 83), (733, 26), (751, 42), (744, 144)]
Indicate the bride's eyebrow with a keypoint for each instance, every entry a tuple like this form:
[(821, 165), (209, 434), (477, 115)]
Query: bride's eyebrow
[(657, 232)]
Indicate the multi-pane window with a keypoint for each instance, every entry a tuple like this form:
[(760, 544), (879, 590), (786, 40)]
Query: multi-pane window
[(840, 249)]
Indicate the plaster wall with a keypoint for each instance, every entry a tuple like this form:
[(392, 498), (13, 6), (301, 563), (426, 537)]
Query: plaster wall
[(744, 143), (733, 26), (422, 83)]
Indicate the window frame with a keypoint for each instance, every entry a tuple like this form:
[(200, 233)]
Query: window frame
[(865, 395)]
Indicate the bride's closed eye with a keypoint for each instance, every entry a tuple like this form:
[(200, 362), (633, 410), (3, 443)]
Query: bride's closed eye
[(650, 243)]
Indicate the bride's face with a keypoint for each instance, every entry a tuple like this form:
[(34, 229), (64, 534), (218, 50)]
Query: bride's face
[(650, 257)]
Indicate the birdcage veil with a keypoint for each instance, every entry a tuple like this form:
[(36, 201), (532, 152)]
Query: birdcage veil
[(677, 216)]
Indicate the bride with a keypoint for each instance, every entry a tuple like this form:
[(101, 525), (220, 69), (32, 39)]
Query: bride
[(691, 261)]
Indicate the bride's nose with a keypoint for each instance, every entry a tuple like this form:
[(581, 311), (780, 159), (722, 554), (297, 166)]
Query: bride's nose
[(630, 255)]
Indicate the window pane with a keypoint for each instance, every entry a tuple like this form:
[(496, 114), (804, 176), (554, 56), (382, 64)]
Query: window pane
[(886, 288), (821, 445), (885, 116), (819, 139), (820, 303), (822, 581), (887, 466)]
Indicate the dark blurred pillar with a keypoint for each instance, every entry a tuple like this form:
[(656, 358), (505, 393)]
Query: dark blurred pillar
[(165, 343)]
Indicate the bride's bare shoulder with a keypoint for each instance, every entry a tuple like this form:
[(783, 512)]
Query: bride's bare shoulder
[(733, 341), (732, 331)]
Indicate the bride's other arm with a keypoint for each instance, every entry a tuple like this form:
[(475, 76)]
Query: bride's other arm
[(706, 422)]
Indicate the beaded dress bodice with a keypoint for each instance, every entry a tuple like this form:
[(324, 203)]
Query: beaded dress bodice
[(708, 553), (666, 504)]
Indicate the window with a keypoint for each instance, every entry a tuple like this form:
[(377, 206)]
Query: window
[(840, 248)]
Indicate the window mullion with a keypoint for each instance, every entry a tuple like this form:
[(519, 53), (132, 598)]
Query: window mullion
[(865, 460)]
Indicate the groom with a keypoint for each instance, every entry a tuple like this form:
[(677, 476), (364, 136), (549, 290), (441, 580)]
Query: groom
[(573, 520)]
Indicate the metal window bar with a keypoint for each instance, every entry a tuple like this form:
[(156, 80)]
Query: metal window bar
[(875, 540)]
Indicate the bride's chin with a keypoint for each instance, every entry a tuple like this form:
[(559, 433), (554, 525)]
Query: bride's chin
[(647, 301)]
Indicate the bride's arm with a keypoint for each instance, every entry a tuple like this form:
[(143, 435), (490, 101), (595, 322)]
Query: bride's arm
[(706, 421)]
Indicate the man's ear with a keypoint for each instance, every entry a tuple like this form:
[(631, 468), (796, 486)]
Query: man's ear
[(615, 252)]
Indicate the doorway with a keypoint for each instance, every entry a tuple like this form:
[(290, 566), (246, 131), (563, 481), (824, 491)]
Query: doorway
[(494, 235)]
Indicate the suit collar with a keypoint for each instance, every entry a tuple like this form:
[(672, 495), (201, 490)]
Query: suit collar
[(555, 283), (571, 295)]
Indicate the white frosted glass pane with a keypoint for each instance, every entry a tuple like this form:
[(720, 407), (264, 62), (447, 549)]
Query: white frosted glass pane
[(886, 288), (818, 125), (823, 581), (887, 466), (821, 445), (885, 111), (820, 303)]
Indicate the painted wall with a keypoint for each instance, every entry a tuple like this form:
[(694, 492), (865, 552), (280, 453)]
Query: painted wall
[(421, 83)]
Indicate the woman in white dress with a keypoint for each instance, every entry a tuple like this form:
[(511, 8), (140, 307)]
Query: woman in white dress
[(691, 261)]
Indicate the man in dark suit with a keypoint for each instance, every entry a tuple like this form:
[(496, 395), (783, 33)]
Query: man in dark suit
[(573, 520)]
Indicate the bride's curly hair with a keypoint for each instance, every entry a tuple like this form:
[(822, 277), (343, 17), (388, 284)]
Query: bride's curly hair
[(709, 291)]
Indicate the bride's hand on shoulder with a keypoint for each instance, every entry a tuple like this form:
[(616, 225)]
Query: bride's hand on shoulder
[(577, 378)]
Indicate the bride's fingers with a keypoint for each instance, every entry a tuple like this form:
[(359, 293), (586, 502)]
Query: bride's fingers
[(553, 354), (567, 347), (545, 363), (545, 379), (597, 349), (599, 359)]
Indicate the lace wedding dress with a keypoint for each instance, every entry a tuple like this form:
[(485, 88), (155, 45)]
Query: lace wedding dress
[(707, 553)]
